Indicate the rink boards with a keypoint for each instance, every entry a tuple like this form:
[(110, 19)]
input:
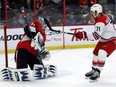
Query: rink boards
[(54, 40)]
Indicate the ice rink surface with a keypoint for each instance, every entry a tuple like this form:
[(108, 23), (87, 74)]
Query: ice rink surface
[(71, 64)]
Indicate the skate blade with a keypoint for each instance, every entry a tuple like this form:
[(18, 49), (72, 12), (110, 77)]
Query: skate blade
[(87, 77), (92, 81)]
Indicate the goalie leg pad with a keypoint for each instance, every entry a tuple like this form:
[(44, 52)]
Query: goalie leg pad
[(41, 72), (52, 70), (15, 74), (4, 74)]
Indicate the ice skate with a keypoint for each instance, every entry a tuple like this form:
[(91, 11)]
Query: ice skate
[(90, 73), (95, 76)]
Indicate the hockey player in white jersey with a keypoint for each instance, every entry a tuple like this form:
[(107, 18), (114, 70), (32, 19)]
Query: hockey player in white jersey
[(105, 32)]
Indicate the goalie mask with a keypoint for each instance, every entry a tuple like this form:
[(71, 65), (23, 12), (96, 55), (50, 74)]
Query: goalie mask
[(41, 20), (96, 9)]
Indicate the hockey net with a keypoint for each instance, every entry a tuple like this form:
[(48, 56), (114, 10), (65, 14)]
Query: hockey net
[(3, 47)]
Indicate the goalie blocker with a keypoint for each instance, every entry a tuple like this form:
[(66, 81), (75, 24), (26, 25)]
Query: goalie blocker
[(12, 74)]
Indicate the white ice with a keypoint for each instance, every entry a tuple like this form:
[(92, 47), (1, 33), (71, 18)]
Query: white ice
[(72, 64)]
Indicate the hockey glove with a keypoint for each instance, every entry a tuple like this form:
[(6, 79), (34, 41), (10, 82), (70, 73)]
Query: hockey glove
[(81, 35), (37, 42)]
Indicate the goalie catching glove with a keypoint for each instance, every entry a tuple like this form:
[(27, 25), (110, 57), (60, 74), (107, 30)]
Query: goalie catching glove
[(38, 42)]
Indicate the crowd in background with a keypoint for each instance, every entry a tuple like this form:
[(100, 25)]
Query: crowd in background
[(77, 11)]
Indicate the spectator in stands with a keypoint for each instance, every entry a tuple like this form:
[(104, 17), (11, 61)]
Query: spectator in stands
[(109, 13), (29, 5), (91, 20), (13, 22), (87, 19), (91, 2), (56, 1), (102, 2), (70, 20), (30, 16), (40, 5), (0, 10), (84, 21), (83, 4), (111, 1), (0, 5), (59, 22)]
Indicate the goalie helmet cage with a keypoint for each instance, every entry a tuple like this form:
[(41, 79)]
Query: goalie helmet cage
[(3, 46)]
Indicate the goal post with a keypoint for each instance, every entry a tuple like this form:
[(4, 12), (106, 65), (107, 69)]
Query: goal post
[(3, 46)]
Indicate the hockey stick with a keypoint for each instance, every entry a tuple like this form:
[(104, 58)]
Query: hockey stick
[(49, 26)]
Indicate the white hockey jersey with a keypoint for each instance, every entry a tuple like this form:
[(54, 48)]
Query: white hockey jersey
[(104, 30)]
